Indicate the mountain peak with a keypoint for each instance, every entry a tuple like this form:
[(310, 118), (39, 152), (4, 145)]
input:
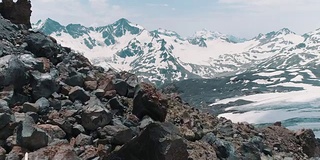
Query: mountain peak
[(122, 21), (48, 26), (285, 31)]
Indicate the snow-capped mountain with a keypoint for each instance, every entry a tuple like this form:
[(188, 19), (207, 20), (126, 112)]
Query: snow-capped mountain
[(164, 56)]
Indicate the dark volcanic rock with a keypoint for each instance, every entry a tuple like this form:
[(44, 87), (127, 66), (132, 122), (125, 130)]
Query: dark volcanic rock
[(308, 142), (31, 137), (13, 71), (158, 142), (63, 124), (121, 87), (42, 46), (5, 119), (18, 12), (30, 107), (94, 117), (75, 80), (78, 93), (147, 101), (120, 133), (116, 105), (44, 84), (43, 104), (77, 129)]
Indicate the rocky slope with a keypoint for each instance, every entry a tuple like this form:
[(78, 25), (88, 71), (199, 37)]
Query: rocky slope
[(56, 105), (164, 56)]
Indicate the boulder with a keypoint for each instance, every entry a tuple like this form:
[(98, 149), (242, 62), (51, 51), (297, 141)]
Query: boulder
[(7, 125), (159, 141), (78, 93), (82, 140), (13, 72), (147, 101), (44, 105), (63, 124), (75, 79), (18, 12), (61, 150), (308, 142), (30, 136), (42, 46), (77, 129), (122, 87), (120, 133), (53, 131), (95, 116), (5, 119), (116, 105), (44, 84)]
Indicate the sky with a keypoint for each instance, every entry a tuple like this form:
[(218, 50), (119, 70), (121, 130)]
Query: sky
[(242, 18)]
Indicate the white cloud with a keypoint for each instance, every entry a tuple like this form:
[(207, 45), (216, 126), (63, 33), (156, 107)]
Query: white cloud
[(285, 5), (157, 5), (87, 12)]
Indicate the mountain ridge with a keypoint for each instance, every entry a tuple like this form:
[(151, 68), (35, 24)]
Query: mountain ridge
[(164, 56)]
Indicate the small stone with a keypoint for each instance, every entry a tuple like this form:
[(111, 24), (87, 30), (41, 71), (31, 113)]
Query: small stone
[(91, 85), (30, 107), (99, 93), (83, 139), (145, 122), (77, 129)]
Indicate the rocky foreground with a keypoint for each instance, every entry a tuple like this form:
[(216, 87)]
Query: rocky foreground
[(55, 105)]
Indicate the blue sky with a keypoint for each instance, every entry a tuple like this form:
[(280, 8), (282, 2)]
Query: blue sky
[(243, 18)]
